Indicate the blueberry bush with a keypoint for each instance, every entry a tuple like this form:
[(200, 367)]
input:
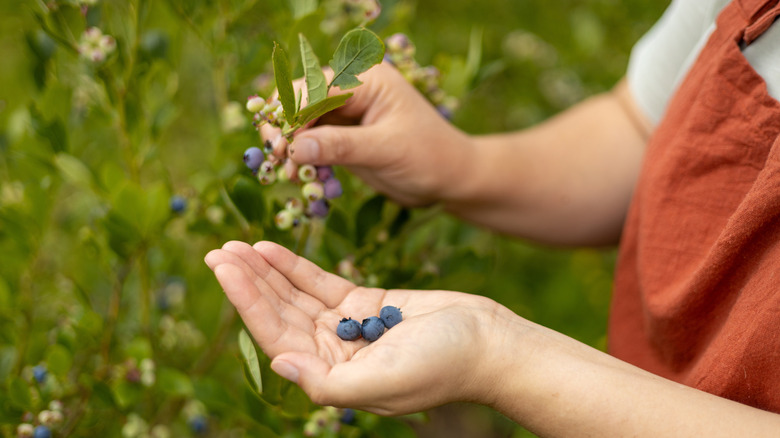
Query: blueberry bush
[(127, 130)]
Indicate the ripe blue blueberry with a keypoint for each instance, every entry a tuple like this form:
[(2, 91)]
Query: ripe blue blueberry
[(373, 328), (348, 329), (39, 373), (198, 424), (178, 204), (390, 316), (332, 188), (42, 432), (347, 416), (253, 157)]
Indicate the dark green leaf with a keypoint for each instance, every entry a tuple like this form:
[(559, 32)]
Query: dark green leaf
[(312, 112), (19, 394), (316, 84), (248, 352), (174, 382), (247, 195), (59, 360), (283, 77), (369, 214), (359, 50)]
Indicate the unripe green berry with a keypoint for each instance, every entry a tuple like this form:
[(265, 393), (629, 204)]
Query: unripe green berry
[(284, 220), (313, 191), (307, 173), (255, 104), (295, 206)]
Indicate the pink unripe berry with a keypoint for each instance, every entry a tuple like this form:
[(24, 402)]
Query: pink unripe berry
[(324, 173), (319, 208), (307, 173), (332, 188), (255, 103)]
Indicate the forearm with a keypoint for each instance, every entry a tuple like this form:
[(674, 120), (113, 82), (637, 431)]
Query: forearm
[(565, 388), (567, 181)]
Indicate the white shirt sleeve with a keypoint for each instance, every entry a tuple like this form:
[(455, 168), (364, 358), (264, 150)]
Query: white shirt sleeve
[(663, 56)]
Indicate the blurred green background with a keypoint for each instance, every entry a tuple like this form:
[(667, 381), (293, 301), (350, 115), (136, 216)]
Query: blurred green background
[(91, 154)]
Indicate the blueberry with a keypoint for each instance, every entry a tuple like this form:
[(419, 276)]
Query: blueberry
[(348, 329), (347, 416), (390, 316), (332, 188), (198, 424), (253, 158), (373, 328), (42, 432), (40, 373), (178, 204)]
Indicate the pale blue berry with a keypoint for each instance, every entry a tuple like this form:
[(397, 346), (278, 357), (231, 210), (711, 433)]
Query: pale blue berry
[(253, 157), (39, 373), (42, 432)]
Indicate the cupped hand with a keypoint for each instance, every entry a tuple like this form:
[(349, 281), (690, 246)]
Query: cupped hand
[(390, 136), (440, 352)]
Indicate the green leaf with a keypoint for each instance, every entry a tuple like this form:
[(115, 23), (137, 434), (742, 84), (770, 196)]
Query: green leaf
[(369, 214), (359, 50), (248, 352), (283, 78), (312, 112), (247, 195), (174, 382), (59, 360), (316, 84), (19, 394), (302, 8), (73, 170)]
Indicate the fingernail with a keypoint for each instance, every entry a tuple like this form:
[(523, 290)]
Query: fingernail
[(305, 150), (286, 370)]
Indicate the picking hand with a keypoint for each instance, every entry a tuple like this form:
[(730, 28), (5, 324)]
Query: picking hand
[(389, 136), (438, 354)]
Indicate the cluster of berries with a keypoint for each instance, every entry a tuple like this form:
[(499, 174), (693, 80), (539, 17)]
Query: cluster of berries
[(48, 419), (137, 427), (372, 327), (94, 46), (400, 52), (347, 13), (318, 186), (266, 111), (327, 421), (133, 371)]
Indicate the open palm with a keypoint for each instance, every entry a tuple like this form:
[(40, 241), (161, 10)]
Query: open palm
[(292, 308)]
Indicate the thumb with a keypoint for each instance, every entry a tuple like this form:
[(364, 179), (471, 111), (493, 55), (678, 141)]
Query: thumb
[(307, 371), (337, 145)]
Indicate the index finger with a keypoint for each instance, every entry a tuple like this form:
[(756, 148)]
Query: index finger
[(329, 288)]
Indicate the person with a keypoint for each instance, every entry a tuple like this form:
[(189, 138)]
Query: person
[(678, 163)]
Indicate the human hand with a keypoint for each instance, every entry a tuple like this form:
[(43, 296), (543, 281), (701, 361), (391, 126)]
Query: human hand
[(441, 352), (389, 136)]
